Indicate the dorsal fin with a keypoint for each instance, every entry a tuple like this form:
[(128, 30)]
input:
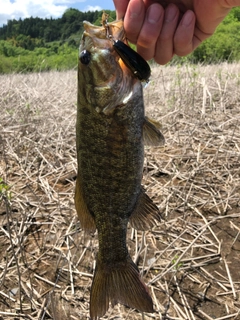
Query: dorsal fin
[(152, 135)]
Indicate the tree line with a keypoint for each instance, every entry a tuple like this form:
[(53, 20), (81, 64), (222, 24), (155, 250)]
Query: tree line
[(35, 44), (51, 29)]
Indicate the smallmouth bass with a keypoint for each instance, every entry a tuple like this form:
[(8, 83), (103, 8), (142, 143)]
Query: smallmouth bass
[(110, 130)]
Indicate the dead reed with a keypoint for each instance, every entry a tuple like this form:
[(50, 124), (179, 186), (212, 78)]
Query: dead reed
[(190, 260)]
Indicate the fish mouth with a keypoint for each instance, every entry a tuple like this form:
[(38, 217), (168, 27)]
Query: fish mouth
[(107, 75), (102, 37)]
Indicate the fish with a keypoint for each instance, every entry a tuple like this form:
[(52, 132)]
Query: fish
[(111, 128)]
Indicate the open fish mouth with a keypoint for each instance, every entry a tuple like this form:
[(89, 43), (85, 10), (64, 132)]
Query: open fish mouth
[(110, 79), (111, 36), (100, 37)]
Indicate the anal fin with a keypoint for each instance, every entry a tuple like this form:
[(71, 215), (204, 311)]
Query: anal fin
[(85, 217), (145, 213), (152, 135)]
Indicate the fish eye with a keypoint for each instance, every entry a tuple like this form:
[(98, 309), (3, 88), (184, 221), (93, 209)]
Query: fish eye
[(85, 57)]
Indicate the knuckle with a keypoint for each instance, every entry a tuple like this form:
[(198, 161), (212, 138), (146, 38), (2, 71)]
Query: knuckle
[(146, 40), (164, 37)]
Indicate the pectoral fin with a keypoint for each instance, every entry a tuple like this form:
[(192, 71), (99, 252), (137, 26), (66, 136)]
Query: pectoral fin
[(152, 135), (145, 214), (85, 217)]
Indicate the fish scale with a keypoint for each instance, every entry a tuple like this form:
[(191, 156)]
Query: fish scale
[(105, 146)]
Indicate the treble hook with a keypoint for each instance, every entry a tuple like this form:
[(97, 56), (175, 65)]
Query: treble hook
[(105, 17), (139, 67)]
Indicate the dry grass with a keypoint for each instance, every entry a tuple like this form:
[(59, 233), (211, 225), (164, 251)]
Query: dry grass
[(190, 260)]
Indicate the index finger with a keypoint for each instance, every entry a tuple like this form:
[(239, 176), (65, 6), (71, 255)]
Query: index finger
[(121, 7)]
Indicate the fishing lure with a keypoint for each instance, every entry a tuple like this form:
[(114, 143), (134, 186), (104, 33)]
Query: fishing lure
[(133, 60), (139, 67)]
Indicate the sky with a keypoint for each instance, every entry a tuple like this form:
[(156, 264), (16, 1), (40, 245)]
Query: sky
[(15, 9)]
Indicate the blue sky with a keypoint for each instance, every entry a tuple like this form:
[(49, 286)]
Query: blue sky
[(15, 9)]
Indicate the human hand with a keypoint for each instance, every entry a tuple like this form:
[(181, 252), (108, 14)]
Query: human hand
[(162, 28)]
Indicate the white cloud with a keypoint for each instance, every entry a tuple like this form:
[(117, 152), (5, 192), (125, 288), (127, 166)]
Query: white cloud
[(92, 8), (36, 8)]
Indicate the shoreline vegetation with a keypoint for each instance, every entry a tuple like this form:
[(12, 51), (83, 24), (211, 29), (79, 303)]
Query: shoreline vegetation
[(37, 45)]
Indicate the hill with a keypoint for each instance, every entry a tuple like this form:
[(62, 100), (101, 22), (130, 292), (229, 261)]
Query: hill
[(36, 44)]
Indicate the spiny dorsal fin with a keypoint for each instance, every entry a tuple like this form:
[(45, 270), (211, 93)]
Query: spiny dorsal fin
[(145, 214), (152, 135), (85, 217), (119, 282)]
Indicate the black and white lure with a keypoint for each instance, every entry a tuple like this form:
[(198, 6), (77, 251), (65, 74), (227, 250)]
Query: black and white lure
[(139, 67)]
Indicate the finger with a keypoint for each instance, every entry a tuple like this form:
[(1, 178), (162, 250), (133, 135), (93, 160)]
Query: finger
[(164, 47), (150, 30), (184, 40), (121, 7), (134, 18), (230, 3)]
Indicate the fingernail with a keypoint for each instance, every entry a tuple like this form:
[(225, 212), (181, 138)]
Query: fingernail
[(154, 14), (134, 9), (188, 18), (170, 13)]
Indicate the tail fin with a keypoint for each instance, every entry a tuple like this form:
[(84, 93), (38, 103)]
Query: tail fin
[(118, 283)]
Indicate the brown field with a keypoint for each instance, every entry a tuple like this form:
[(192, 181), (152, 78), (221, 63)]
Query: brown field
[(191, 260)]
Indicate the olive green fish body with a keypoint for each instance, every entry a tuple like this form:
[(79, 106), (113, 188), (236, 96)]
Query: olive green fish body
[(110, 152)]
